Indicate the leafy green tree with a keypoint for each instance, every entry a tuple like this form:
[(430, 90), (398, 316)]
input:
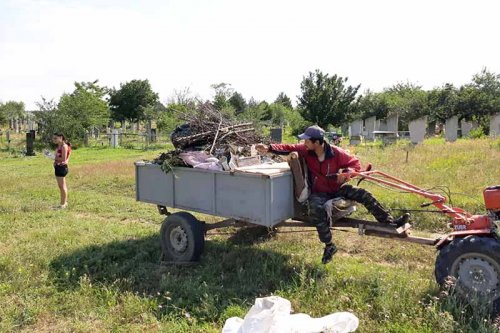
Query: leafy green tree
[(407, 100), (47, 119), (11, 110), (442, 102), (371, 104), (284, 100), (131, 100), (82, 110), (169, 119), (326, 100), (238, 102), (223, 92), (256, 111)]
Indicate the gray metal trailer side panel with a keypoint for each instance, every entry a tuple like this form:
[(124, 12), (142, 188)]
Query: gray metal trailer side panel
[(259, 199)]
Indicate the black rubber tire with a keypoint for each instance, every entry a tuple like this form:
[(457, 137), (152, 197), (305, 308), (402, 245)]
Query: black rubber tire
[(475, 262), (182, 237)]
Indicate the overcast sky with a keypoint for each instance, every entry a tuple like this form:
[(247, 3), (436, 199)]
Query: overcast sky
[(260, 47)]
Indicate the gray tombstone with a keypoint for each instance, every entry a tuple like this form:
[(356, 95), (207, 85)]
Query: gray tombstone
[(431, 128), (355, 132), (153, 135), (418, 130), (466, 127), (381, 125), (370, 127), (495, 125), (451, 129), (30, 139), (114, 139), (392, 123), (276, 135)]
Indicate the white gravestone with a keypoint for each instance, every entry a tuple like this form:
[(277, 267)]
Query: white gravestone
[(355, 131), (114, 139), (370, 127), (495, 125), (466, 127), (418, 130), (392, 123), (451, 129)]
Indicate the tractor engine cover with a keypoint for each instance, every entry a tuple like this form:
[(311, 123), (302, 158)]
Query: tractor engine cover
[(492, 198)]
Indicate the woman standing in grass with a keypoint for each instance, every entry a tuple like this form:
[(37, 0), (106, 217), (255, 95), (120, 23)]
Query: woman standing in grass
[(61, 160)]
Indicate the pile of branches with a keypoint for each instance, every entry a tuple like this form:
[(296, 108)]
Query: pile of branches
[(208, 129)]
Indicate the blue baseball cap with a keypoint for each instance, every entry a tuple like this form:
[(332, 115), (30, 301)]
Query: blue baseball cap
[(312, 132)]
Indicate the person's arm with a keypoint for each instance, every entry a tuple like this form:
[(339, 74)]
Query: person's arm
[(347, 162), (282, 149)]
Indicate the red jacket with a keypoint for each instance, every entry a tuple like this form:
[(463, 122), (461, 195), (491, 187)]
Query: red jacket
[(322, 174)]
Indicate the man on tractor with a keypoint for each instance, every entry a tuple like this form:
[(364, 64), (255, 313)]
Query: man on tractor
[(328, 171)]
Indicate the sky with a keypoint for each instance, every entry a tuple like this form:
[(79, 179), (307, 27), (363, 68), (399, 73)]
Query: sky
[(260, 47)]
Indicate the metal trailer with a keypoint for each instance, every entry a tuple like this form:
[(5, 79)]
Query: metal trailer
[(241, 198)]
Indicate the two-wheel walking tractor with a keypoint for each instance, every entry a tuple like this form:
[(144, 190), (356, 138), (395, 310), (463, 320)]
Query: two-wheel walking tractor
[(470, 252)]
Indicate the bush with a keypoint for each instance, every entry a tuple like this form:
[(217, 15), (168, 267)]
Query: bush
[(477, 133)]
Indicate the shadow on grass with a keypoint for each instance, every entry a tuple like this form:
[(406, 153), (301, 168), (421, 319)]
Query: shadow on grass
[(228, 274)]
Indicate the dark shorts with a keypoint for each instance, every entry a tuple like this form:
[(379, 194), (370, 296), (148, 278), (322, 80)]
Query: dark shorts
[(61, 170)]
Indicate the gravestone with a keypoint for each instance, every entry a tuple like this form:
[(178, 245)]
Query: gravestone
[(451, 129), (381, 125), (370, 127), (495, 125), (114, 139), (276, 135), (355, 132), (30, 139), (153, 135), (431, 128), (392, 123), (418, 130), (466, 127)]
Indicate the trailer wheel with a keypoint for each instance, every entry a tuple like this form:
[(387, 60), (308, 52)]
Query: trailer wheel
[(475, 262), (182, 237)]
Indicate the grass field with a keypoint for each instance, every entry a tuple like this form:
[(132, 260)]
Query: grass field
[(95, 266)]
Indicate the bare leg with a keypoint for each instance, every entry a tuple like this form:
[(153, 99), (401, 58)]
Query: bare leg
[(61, 182)]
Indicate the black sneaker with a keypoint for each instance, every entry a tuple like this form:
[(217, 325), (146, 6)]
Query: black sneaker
[(328, 253), (402, 220)]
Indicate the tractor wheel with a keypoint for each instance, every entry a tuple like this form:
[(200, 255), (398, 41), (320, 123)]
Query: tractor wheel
[(182, 237), (475, 262)]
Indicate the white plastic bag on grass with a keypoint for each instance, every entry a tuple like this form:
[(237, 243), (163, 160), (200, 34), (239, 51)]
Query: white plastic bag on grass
[(272, 315)]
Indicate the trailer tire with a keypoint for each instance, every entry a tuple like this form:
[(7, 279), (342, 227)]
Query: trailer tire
[(182, 237), (475, 262)]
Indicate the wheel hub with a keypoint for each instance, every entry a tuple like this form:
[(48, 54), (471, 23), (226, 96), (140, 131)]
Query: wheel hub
[(178, 239), (479, 275)]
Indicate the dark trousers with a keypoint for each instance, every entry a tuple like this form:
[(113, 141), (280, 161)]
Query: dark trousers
[(318, 212)]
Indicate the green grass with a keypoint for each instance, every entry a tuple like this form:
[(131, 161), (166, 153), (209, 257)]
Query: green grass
[(96, 266)]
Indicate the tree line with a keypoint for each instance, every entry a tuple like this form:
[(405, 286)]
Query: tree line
[(326, 100)]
